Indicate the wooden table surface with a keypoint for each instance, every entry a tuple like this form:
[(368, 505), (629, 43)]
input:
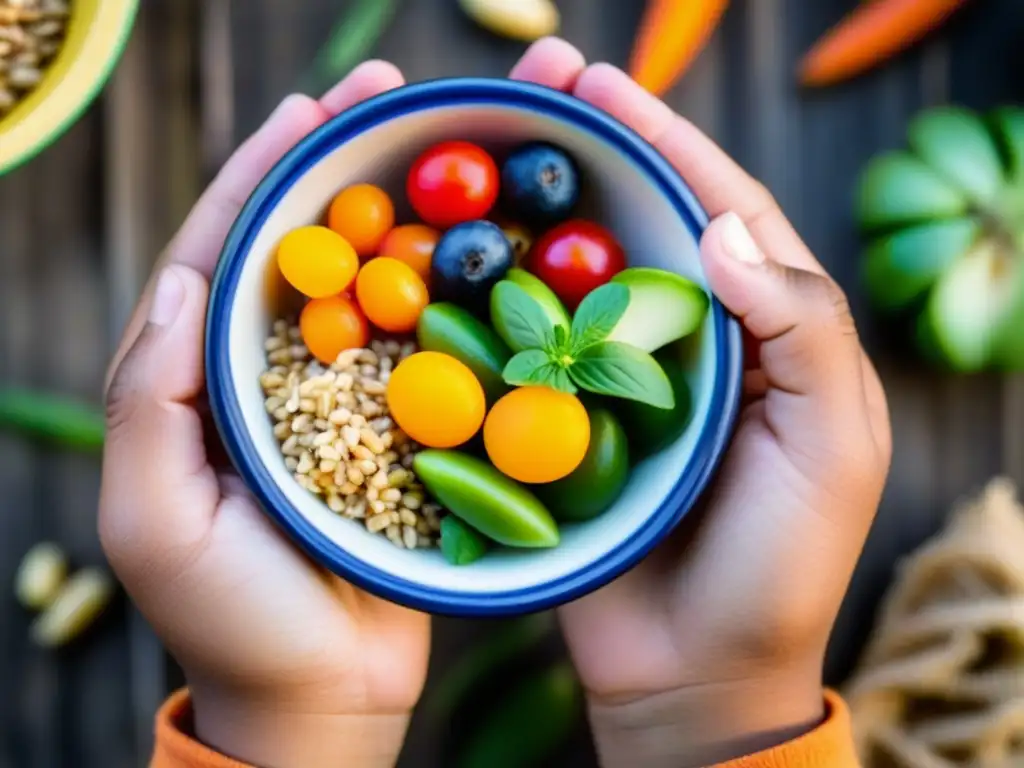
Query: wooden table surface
[(81, 225)]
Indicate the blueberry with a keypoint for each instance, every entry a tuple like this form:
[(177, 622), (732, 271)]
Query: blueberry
[(469, 259), (540, 184)]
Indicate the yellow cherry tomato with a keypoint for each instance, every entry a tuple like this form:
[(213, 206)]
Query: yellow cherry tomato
[(391, 294), (332, 325), (537, 434), (317, 261), (436, 400), (363, 214), (414, 244)]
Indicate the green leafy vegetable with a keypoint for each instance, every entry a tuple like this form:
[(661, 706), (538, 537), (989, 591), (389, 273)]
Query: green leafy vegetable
[(519, 319), (620, 370), (598, 314), (524, 367), (460, 543)]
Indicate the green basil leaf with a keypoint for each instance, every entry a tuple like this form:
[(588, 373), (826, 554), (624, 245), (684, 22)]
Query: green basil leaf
[(525, 374), (519, 319), (524, 367), (621, 370), (598, 314)]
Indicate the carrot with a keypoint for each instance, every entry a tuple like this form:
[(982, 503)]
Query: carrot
[(671, 35), (872, 33)]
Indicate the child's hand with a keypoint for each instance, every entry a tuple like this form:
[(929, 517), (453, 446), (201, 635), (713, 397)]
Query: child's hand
[(287, 665), (713, 647)]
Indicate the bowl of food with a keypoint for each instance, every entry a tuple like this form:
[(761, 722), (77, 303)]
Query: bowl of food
[(461, 349), (55, 56)]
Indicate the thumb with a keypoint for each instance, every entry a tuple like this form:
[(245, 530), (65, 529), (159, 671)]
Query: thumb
[(158, 491), (810, 354)]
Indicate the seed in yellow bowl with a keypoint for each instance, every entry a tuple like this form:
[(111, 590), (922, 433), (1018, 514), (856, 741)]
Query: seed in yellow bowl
[(537, 434), (317, 261), (436, 400)]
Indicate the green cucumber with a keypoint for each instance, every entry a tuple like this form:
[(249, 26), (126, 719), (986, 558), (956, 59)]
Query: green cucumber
[(53, 419), (898, 189), (651, 429), (450, 329), (460, 544), (901, 266), (598, 481), (663, 307), (529, 724), (497, 506), (955, 142)]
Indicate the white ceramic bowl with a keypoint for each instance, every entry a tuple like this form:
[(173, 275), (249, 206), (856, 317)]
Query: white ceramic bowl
[(629, 188)]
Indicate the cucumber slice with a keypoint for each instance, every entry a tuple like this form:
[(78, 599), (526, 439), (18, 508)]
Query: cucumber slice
[(663, 307), (898, 189), (956, 143), (900, 267), (968, 307)]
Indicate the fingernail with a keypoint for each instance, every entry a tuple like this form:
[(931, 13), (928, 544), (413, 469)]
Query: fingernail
[(167, 298), (737, 240)]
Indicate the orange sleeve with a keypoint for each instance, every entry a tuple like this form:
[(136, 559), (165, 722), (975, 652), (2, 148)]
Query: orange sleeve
[(830, 745), (175, 748)]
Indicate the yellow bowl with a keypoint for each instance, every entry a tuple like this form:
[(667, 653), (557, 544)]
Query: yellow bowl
[(96, 36)]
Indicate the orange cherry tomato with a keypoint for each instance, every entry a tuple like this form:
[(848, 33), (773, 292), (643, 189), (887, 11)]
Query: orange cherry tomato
[(412, 243), (436, 399), (391, 294), (363, 214), (330, 326), (317, 261), (537, 434)]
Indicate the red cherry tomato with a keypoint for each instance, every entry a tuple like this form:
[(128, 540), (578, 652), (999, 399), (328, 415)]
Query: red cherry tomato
[(574, 258), (451, 183)]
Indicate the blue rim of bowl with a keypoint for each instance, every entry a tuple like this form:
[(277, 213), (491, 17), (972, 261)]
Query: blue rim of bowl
[(227, 413)]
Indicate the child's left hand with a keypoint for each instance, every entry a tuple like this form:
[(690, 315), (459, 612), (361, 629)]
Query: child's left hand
[(287, 665)]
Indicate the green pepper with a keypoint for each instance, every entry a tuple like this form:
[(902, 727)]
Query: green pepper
[(944, 221), (527, 726), (490, 502), (53, 419)]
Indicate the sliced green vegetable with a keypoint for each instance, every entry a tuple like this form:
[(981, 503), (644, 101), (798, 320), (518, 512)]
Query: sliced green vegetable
[(543, 295), (898, 189), (663, 307), (52, 418), (529, 725), (448, 328), (901, 266), (651, 429), (490, 502), (956, 143), (598, 481), (460, 544)]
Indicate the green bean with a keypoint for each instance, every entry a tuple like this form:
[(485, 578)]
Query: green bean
[(53, 419), (351, 40)]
